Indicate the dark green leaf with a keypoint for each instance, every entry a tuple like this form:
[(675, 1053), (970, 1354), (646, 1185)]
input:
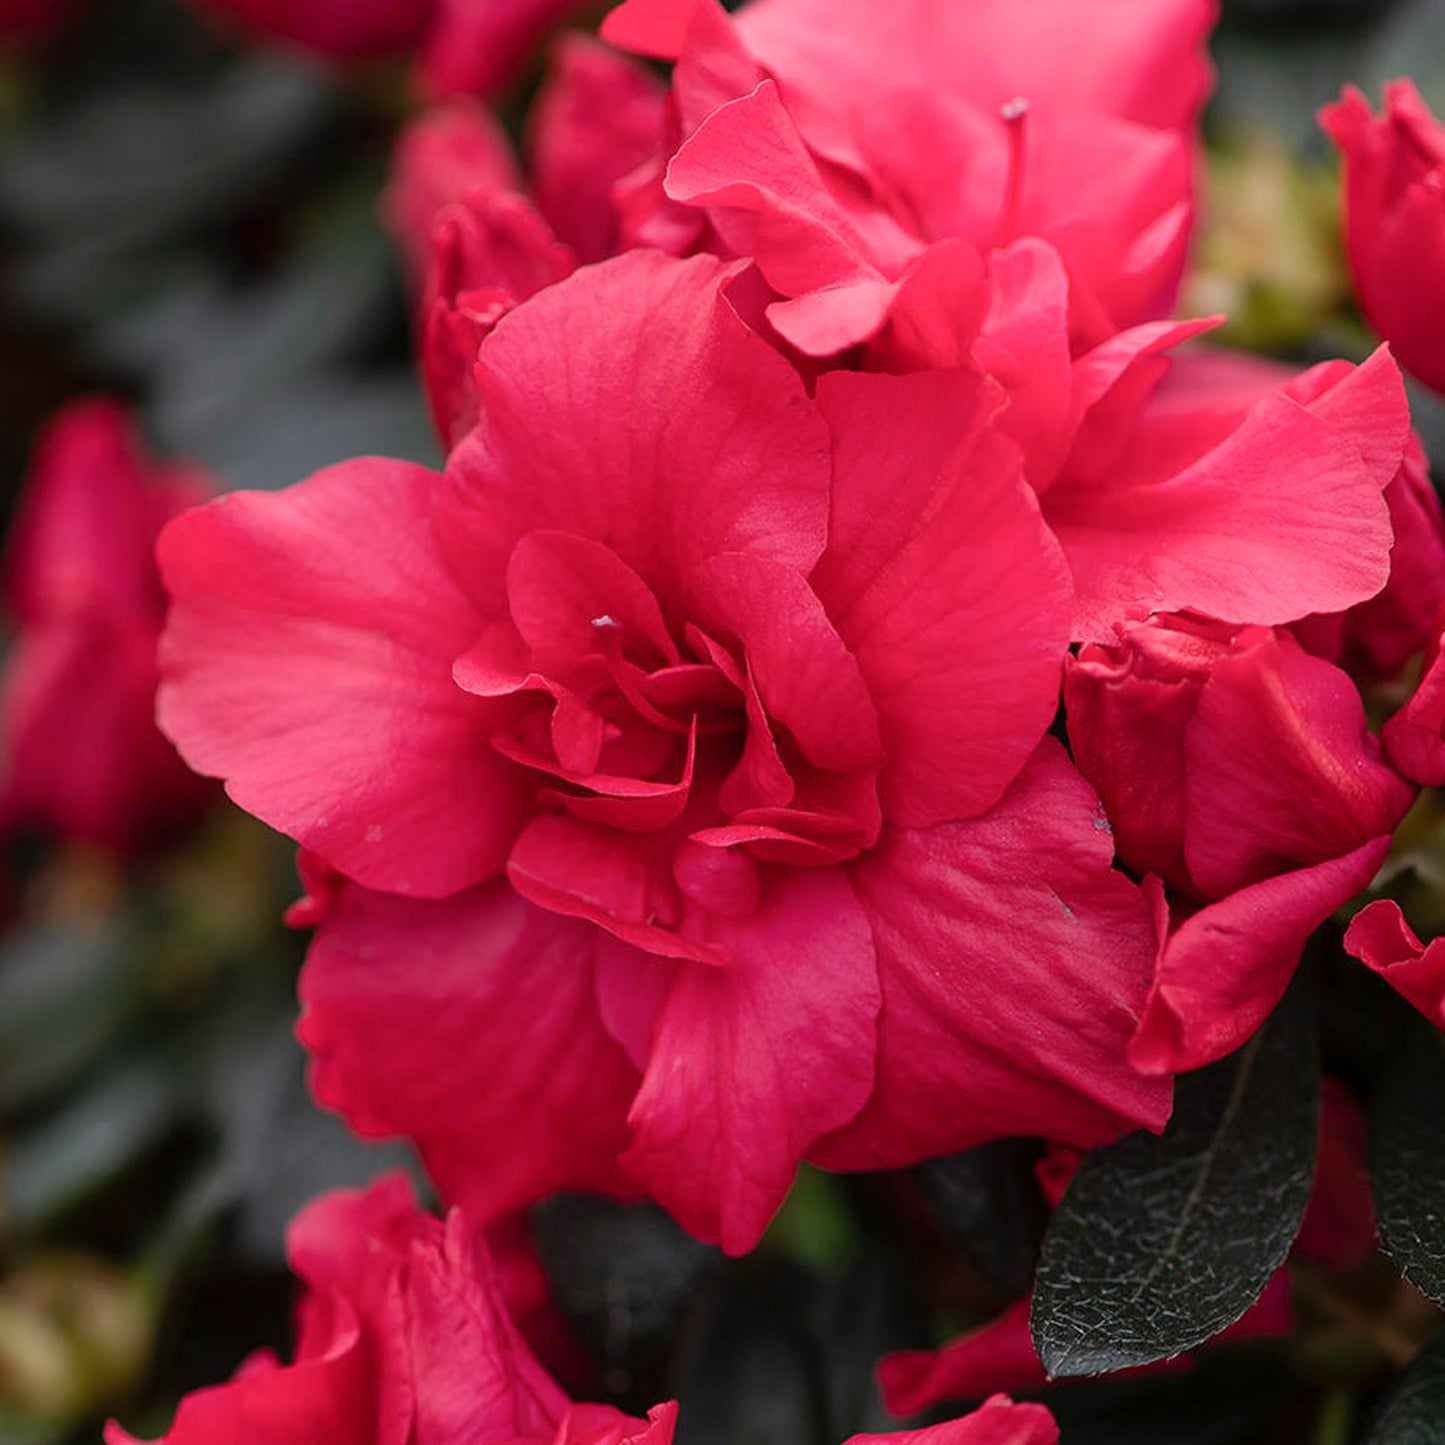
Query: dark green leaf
[(1407, 1157), (623, 1277), (64, 996), (1161, 1242), (749, 1379), (137, 162), (109, 1128), (1414, 1412), (988, 1204)]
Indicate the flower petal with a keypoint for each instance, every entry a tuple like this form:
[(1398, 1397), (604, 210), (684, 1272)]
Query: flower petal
[(1225, 967), (747, 1065), (1014, 961), (628, 404), (469, 1025), (308, 662), (946, 586)]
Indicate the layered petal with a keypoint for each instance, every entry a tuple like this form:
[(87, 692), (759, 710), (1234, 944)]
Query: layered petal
[(486, 253), (442, 156), (1223, 968), (1281, 519), (470, 1026), (1014, 963), (598, 116), (945, 585), (308, 662), (748, 1064), (1141, 60), (403, 1339), (1280, 768), (319, 1398), (732, 457)]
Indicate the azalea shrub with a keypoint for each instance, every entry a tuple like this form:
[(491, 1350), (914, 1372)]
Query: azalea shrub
[(721, 722)]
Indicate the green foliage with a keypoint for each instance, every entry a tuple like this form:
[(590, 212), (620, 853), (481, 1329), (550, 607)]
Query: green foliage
[(1161, 1242)]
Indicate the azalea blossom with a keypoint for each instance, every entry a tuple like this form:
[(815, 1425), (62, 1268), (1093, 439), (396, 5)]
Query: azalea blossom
[(403, 1335), (1394, 210), (652, 651), (1238, 771), (81, 754), (675, 764)]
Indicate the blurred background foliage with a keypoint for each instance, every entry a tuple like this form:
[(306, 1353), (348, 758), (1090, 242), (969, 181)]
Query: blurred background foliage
[(195, 227)]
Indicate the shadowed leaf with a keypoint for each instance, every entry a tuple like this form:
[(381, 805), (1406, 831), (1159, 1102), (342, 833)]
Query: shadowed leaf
[(1160, 1243)]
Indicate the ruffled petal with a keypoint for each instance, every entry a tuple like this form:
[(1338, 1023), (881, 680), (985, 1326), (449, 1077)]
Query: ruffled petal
[(1381, 939), (749, 1063), (308, 662), (1225, 967), (469, 1025), (629, 404), (1014, 961)]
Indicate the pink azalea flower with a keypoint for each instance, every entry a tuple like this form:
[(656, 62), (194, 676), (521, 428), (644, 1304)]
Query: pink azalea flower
[(692, 732), (404, 1339), (403, 1335), (81, 753), (1394, 169), (799, 148), (1239, 771)]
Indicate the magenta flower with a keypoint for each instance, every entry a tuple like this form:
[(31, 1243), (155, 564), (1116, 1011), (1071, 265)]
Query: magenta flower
[(692, 732), (1394, 170), (81, 753)]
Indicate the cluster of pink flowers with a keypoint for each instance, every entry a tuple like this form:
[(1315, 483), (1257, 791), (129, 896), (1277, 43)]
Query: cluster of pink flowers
[(403, 1338), (863, 683), (674, 769)]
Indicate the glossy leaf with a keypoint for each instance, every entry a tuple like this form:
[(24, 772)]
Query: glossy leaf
[(1160, 1243), (624, 1276), (988, 1204), (1412, 1412), (1407, 1159)]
